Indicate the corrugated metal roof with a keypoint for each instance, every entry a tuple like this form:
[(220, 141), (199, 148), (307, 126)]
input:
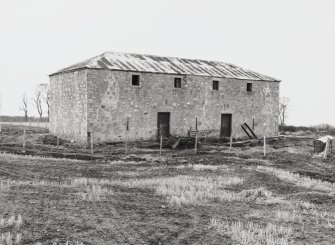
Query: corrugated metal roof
[(169, 65)]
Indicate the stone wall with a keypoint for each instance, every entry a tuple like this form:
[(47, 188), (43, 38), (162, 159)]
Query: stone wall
[(68, 105), (112, 101)]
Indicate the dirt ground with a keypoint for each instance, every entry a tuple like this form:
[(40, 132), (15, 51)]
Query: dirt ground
[(136, 196)]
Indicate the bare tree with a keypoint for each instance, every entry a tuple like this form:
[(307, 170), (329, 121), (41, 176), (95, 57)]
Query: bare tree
[(283, 105), (0, 112), (37, 102), (24, 106), (45, 95)]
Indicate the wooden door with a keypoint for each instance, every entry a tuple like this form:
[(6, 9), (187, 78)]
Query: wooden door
[(226, 125), (163, 124)]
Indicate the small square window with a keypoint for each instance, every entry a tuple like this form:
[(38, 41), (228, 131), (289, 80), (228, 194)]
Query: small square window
[(215, 85), (177, 82), (135, 80), (249, 87)]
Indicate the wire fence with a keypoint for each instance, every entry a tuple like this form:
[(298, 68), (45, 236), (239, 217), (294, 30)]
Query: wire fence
[(36, 126)]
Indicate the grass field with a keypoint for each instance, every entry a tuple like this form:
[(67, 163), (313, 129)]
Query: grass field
[(215, 197)]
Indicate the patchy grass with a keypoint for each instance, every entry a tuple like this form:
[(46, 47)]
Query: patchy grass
[(169, 199), (253, 233), (37, 158), (299, 180), (188, 190)]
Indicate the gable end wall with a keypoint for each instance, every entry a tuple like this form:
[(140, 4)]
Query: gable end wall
[(68, 105)]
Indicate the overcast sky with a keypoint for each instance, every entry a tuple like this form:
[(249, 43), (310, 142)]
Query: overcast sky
[(293, 41)]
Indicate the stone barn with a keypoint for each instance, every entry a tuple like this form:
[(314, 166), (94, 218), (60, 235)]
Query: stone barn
[(115, 96)]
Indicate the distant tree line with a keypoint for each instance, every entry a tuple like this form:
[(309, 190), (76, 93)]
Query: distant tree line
[(317, 128), (22, 119)]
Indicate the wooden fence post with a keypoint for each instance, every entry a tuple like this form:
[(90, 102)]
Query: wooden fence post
[(24, 139), (57, 141), (326, 150), (196, 144), (264, 146), (126, 144), (161, 144), (92, 150), (30, 125), (126, 141), (264, 139), (331, 144), (231, 143)]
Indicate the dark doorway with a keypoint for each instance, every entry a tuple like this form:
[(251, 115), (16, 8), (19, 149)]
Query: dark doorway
[(163, 124), (225, 125)]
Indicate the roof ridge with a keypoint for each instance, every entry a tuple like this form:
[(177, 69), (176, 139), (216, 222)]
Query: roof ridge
[(114, 60), (175, 57)]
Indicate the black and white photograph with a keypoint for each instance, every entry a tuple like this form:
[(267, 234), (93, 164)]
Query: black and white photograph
[(167, 122)]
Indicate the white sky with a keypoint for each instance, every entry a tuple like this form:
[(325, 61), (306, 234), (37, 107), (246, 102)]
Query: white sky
[(290, 40)]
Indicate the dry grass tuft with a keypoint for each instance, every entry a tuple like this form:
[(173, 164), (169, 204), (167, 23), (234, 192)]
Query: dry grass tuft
[(252, 233), (12, 221), (91, 189), (204, 167), (302, 205), (9, 238), (128, 173), (288, 216), (299, 180), (93, 193), (67, 243), (258, 194), (5, 185), (126, 162)]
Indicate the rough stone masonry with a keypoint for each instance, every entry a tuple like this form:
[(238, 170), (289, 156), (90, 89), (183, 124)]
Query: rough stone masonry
[(99, 97)]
